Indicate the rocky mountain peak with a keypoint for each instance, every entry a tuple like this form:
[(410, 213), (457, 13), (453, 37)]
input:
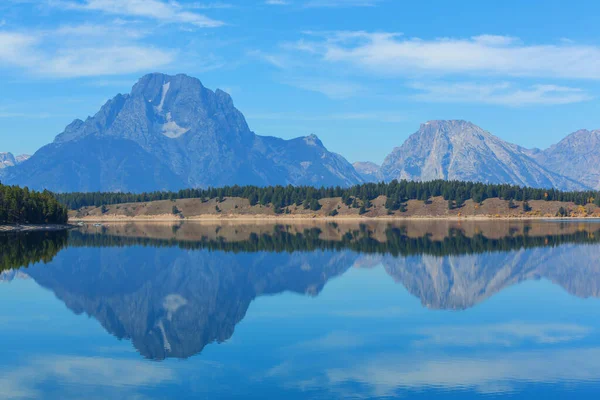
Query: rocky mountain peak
[(9, 160), (313, 140), (577, 156), (170, 133), (461, 150)]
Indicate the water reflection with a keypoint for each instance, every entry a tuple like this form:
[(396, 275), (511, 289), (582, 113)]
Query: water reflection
[(309, 310), (142, 282)]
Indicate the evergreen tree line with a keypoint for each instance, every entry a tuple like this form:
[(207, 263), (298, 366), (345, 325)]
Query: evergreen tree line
[(397, 243), (24, 206), (359, 196), (23, 249)]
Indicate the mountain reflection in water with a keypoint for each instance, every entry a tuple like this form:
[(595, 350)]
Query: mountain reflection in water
[(173, 289)]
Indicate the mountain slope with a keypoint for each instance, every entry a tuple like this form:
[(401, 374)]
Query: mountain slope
[(369, 171), (577, 156), (171, 132), (460, 150)]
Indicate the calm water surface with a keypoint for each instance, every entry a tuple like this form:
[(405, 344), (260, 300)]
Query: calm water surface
[(412, 310)]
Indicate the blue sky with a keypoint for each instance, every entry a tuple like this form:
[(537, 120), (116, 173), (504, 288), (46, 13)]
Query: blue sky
[(361, 74)]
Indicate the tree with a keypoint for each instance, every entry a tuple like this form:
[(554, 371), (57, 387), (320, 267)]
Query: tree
[(333, 213), (561, 212), (175, 210), (526, 206), (315, 205), (511, 204), (362, 210)]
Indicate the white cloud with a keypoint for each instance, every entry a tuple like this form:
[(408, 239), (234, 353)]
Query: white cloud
[(29, 52), (503, 93), (104, 61), (393, 54), (168, 12)]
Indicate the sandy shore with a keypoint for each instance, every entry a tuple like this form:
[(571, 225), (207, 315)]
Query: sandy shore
[(32, 228)]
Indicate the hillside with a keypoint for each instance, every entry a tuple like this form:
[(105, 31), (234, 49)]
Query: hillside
[(238, 208)]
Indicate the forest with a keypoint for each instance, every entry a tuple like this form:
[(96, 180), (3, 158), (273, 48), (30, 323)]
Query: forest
[(24, 206), (397, 193)]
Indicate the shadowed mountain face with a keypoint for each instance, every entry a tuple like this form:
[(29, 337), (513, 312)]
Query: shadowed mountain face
[(173, 291), (171, 132), (460, 150)]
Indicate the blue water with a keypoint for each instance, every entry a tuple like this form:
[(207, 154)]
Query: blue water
[(168, 321)]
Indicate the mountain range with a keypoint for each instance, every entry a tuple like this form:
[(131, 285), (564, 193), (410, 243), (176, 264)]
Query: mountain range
[(170, 132)]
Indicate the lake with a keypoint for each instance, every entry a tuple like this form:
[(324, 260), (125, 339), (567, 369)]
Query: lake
[(422, 309)]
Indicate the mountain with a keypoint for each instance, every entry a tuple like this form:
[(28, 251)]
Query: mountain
[(368, 171), (9, 160), (577, 156), (460, 150), (170, 133)]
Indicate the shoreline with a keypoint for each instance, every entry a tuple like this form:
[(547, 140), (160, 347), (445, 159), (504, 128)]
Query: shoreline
[(34, 228), (304, 218)]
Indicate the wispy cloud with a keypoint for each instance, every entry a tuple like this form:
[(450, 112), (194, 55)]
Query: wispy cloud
[(504, 93), (167, 12), (393, 54), (31, 52), (107, 374)]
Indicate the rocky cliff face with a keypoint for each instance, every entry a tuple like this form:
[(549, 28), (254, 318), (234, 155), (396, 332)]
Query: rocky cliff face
[(171, 132), (460, 150), (577, 156)]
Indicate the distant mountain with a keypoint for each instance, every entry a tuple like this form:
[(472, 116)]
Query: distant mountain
[(9, 160), (460, 150), (170, 133), (369, 171), (577, 156)]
